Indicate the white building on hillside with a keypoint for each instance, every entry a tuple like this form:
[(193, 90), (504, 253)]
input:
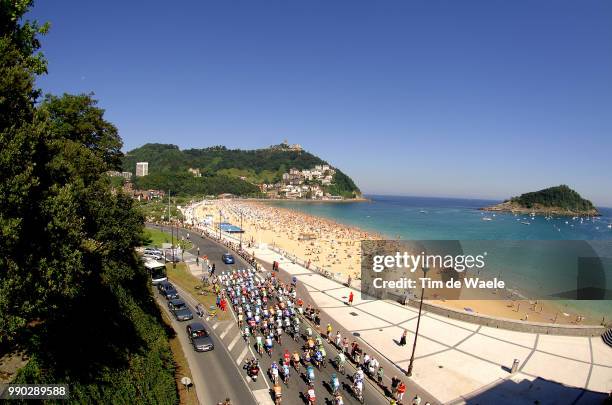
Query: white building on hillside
[(142, 169)]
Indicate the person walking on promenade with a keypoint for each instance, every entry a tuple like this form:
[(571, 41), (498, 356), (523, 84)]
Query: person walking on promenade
[(401, 390), (416, 400), (394, 383), (350, 300), (379, 375), (402, 341)]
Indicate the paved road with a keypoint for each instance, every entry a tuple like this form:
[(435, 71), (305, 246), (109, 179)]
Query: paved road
[(297, 384), (215, 373)]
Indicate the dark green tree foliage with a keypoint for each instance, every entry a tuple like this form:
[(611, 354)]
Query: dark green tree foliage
[(185, 184), (73, 293), (168, 161), (560, 196)]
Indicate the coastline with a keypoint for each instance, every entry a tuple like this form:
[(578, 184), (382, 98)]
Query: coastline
[(512, 208), (335, 247), (303, 200)]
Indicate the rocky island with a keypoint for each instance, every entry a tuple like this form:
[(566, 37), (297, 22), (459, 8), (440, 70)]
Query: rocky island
[(559, 200)]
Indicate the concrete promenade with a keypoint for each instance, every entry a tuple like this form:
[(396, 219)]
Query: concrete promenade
[(457, 360), (462, 362)]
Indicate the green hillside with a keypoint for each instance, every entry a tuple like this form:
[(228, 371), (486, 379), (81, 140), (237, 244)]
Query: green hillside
[(222, 168)]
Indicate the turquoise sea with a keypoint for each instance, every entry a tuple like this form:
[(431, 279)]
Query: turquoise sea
[(425, 218)]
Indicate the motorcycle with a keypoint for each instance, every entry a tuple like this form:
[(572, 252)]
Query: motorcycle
[(358, 393), (252, 369)]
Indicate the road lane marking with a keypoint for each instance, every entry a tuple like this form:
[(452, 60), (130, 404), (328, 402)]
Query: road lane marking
[(242, 356), (215, 326), (263, 397), (224, 333), (233, 342)]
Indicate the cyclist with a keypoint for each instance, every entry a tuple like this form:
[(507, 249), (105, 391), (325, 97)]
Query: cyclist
[(310, 343), (334, 383), (338, 399), (259, 340), (323, 353), (310, 395), (296, 361), (286, 372), (318, 359), (279, 333), (340, 361), (286, 356), (274, 372), (310, 374), (329, 332), (277, 393), (269, 344)]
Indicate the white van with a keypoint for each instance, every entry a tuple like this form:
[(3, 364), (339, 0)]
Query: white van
[(157, 271)]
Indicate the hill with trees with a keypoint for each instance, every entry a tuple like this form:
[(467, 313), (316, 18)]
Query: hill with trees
[(223, 169), (559, 200)]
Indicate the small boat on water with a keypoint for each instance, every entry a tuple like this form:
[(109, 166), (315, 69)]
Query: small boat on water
[(525, 223), (487, 219), (423, 212), (610, 226)]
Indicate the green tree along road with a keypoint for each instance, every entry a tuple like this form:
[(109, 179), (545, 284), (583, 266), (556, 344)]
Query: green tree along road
[(73, 294)]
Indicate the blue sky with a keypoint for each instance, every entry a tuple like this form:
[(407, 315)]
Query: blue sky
[(483, 99)]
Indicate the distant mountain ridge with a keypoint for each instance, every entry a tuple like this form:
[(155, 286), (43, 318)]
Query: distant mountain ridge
[(243, 170), (559, 200)]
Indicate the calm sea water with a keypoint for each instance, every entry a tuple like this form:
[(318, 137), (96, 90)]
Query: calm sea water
[(424, 218)]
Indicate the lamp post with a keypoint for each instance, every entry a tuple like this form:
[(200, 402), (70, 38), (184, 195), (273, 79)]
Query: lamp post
[(416, 333), (172, 232), (241, 231)]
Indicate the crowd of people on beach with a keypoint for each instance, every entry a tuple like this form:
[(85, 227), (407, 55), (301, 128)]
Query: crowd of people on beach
[(321, 242)]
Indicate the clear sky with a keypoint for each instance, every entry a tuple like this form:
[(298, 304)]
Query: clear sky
[(437, 98)]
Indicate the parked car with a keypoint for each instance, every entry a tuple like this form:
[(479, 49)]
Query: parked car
[(180, 310), (227, 258), (199, 337), (153, 251), (163, 286), (153, 256), (171, 293)]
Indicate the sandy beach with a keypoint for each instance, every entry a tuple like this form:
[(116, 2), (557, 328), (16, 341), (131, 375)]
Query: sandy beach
[(336, 248)]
